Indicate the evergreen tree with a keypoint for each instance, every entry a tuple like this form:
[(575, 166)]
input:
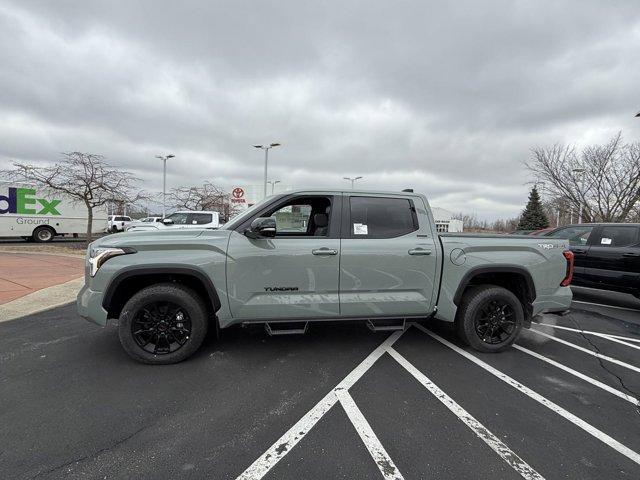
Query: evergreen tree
[(533, 217)]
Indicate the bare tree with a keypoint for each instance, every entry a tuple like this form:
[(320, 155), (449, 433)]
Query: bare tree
[(83, 177), (604, 179), (205, 197)]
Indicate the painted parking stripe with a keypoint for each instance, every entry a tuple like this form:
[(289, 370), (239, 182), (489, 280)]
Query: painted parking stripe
[(591, 332), (586, 350), (581, 376), (478, 428), (590, 429), (606, 306), (290, 439), (383, 461)]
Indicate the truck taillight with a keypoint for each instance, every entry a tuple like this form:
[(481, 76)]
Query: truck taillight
[(568, 254)]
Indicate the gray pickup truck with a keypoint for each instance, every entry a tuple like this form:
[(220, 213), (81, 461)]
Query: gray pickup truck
[(311, 255)]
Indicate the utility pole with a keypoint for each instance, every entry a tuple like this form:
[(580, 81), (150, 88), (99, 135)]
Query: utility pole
[(352, 180), (266, 149), (164, 181)]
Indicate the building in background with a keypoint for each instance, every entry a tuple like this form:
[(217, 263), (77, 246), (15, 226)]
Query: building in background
[(445, 222)]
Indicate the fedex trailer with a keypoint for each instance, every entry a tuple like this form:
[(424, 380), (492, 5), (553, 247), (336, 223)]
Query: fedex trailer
[(38, 214)]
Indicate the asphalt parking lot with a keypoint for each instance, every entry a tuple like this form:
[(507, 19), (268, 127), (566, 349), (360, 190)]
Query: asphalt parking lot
[(339, 402)]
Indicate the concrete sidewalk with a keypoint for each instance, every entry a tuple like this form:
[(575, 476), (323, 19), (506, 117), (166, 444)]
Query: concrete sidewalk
[(22, 274)]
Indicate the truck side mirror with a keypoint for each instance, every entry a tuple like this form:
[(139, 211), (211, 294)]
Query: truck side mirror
[(167, 221), (263, 227)]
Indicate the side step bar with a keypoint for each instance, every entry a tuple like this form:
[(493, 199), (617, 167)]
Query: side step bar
[(386, 325), (289, 328)]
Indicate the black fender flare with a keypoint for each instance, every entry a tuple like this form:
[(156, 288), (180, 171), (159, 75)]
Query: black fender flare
[(134, 271), (496, 268)]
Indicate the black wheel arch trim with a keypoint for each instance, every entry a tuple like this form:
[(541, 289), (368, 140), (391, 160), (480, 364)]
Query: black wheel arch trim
[(134, 271), (466, 279)]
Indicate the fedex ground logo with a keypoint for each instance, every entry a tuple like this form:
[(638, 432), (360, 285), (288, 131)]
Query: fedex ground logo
[(23, 201)]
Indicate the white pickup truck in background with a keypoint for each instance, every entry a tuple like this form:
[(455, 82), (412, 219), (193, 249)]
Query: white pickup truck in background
[(180, 220), (37, 214)]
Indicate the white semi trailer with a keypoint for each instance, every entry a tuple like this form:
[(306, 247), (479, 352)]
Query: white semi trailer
[(38, 214)]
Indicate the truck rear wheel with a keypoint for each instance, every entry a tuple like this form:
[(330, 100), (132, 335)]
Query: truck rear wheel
[(489, 318), (163, 324), (43, 234)]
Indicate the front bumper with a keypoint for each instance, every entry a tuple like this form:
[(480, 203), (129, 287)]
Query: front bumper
[(89, 304)]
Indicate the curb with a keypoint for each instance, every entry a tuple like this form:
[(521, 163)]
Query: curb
[(41, 300)]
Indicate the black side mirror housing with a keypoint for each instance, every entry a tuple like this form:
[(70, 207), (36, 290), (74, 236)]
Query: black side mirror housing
[(263, 227)]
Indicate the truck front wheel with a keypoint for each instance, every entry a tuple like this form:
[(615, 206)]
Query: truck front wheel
[(489, 318), (162, 324)]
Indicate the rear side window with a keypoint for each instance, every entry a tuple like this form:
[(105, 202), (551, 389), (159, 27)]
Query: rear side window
[(577, 235), (617, 236), (380, 217), (199, 218)]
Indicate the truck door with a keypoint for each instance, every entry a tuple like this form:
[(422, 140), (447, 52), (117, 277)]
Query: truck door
[(295, 274), (613, 259), (388, 259), (578, 236)]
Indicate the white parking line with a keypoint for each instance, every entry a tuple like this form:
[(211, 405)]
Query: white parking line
[(290, 439), (606, 336), (591, 332), (383, 461), (582, 376), (586, 350), (600, 435), (607, 306), (478, 428)]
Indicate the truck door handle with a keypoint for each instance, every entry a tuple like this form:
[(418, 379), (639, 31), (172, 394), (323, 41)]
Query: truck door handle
[(324, 251), (419, 251), (631, 254), (579, 252)]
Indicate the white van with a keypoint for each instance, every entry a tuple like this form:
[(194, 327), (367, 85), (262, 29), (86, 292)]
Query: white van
[(38, 214)]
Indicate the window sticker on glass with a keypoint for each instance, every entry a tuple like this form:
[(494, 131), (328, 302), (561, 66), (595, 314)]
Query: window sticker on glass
[(360, 229), (605, 241)]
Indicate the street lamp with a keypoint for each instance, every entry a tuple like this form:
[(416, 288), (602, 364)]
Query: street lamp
[(352, 180), (164, 180), (266, 149), (581, 172), (273, 185)]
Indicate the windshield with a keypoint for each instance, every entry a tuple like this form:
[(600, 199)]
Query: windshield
[(238, 219)]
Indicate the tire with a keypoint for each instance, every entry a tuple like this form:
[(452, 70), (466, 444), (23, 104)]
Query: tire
[(481, 322), (114, 229), (43, 234), (163, 327)]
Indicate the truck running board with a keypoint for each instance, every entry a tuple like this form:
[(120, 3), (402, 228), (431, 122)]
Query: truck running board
[(386, 325), (289, 328)]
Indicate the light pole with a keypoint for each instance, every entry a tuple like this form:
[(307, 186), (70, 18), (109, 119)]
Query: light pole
[(164, 180), (273, 185), (352, 180), (266, 149), (581, 172)]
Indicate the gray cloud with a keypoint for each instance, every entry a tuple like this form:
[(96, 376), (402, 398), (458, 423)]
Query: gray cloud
[(446, 98)]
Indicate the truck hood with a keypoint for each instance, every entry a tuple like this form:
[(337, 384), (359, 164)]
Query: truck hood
[(167, 238)]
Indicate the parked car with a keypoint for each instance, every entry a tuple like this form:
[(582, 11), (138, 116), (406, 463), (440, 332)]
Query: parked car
[(181, 220), (37, 214), (607, 255), (320, 255), (117, 223), (142, 222)]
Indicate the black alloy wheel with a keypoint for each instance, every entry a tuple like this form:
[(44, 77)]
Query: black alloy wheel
[(495, 322), (161, 328)]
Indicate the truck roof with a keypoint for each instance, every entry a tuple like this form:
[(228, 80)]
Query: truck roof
[(347, 190)]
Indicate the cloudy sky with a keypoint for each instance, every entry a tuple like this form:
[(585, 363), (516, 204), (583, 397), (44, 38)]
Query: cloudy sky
[(444, 97)]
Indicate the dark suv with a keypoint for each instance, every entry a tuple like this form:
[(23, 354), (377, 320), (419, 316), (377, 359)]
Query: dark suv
[(607, 255)]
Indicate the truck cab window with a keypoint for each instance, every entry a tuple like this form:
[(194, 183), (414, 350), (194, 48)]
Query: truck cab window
[(306, 217), (617, 236), (380, 217)]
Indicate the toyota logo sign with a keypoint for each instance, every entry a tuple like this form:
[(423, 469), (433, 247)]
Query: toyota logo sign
[(237, 192)]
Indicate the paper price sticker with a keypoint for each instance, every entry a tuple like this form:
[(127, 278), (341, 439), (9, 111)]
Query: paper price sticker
[(605, 241), (360, 229)]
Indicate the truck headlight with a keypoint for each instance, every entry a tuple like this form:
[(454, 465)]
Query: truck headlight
[(98, 255)]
